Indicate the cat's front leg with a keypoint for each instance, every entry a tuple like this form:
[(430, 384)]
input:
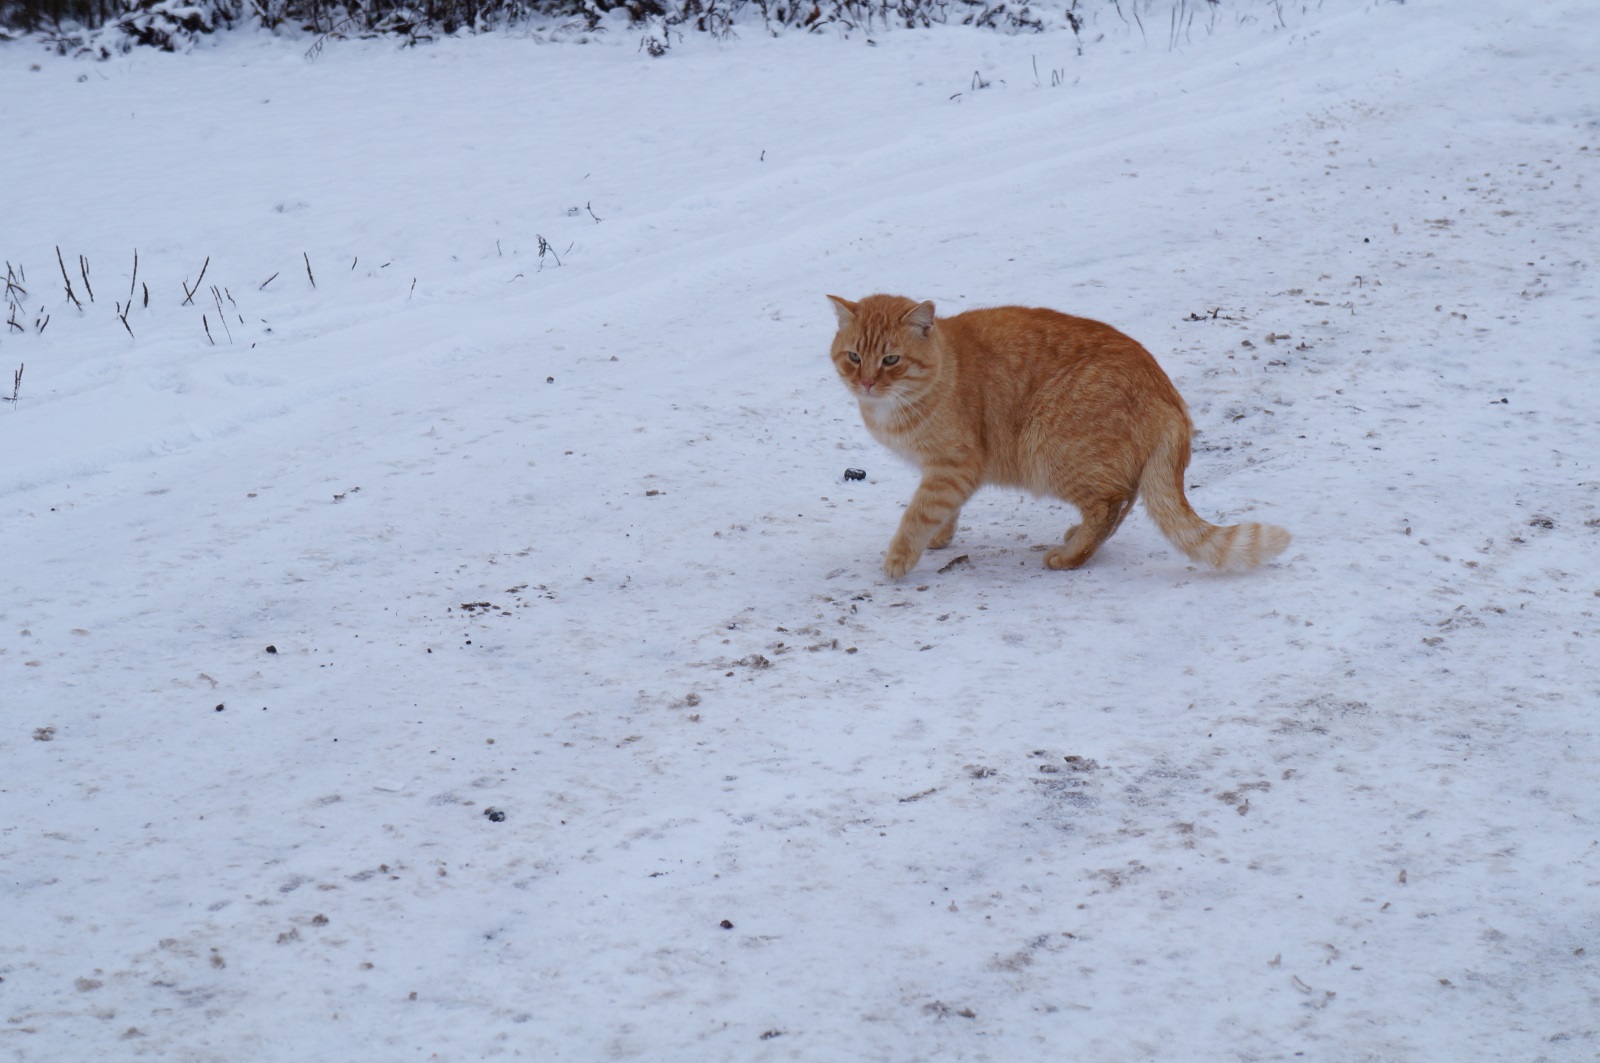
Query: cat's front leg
[(939, 498), (944, 535)]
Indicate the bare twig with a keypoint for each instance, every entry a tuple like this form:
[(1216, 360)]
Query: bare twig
[(222, 315), (546, 249), (188, 293), (122, 316), (83, 267), (590, 208), (66, 279), (335, 30), (16, 385), (146, 303), (207, 325), (12, 286), (353, 262), (263, 285), (132, 283), (308, 268)]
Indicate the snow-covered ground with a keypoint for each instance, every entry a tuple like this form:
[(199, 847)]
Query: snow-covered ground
[(461, 528)]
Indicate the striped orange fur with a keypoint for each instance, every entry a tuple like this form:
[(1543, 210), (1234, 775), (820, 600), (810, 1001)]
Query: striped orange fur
[(1028, 398)]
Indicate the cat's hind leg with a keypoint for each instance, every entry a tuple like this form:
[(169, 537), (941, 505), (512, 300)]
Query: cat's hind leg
[(1100, 519)]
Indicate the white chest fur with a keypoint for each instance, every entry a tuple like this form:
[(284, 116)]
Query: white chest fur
[(879, 417)]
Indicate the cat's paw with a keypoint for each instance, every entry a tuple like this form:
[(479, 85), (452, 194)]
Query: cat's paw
[(942, 540), (898, 562), (1064, 557)]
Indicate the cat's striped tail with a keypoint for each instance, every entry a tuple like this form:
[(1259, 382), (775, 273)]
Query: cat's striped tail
[(1231, 546)]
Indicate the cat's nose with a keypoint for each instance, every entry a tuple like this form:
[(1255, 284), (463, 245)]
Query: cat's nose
[(866, 385)]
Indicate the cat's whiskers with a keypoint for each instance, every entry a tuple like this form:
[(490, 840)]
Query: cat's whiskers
[(898, 404), (908, 409)]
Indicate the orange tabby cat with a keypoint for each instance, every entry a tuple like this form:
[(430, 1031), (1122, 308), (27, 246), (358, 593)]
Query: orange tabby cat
[(1034, 399)]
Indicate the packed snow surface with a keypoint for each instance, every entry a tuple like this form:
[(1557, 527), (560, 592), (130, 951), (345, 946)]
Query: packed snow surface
[(449, 634)]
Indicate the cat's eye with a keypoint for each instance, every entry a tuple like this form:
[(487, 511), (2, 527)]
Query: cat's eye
[(891, 359), (853, 356)]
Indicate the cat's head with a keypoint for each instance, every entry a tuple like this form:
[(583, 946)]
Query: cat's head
[(885, 350)]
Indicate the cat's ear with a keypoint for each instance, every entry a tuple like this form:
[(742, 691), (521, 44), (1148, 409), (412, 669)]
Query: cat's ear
[(919, 317), (844, 308)]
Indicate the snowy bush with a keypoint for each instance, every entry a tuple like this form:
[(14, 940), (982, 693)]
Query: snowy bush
[(102, 27), (168, 24)]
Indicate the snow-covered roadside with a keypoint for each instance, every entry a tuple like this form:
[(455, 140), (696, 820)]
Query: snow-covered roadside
[(1340, 807)]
